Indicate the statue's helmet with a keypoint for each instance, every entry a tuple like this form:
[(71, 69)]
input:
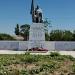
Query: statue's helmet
[(39, 10)]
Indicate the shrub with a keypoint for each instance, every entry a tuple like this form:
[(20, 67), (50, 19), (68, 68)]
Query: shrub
[(48, 67), (70, 57), (29, 58), (59, 58), (54, 54), (73, 68), (24, 72)]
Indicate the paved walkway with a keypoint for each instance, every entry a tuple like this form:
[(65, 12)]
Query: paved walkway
[(47, 53)]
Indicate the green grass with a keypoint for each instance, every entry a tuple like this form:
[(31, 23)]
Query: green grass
[(26, 64)]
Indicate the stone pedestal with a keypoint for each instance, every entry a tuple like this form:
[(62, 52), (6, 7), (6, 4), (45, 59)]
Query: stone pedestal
[(37, 36)]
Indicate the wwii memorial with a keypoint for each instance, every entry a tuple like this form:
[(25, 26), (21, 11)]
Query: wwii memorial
[(31, 53), (37, 33)]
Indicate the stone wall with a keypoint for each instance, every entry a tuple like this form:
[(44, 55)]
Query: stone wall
[(65, 45), (13, 45), (9, 45), (23, 45), (50, 45)]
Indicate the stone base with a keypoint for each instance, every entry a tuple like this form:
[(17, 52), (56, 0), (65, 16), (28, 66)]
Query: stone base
[(35, 44), (37, 35)]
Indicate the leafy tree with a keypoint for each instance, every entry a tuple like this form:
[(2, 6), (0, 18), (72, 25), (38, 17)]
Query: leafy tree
[(47, 37), (73, 35), (59, 35), (6, 37), (67, 36), (56, 35), (17, 29), (24, 31)]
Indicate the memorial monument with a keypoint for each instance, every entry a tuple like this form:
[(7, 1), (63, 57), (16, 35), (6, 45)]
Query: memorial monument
[(37, 33)]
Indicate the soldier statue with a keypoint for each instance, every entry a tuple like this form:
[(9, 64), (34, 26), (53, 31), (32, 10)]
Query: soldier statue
[(36, 13)]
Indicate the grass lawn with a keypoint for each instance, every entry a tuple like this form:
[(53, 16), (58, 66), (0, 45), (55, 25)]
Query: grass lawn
[(26, 64)]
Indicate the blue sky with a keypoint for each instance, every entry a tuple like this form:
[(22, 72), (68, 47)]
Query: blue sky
[(60, 12)]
